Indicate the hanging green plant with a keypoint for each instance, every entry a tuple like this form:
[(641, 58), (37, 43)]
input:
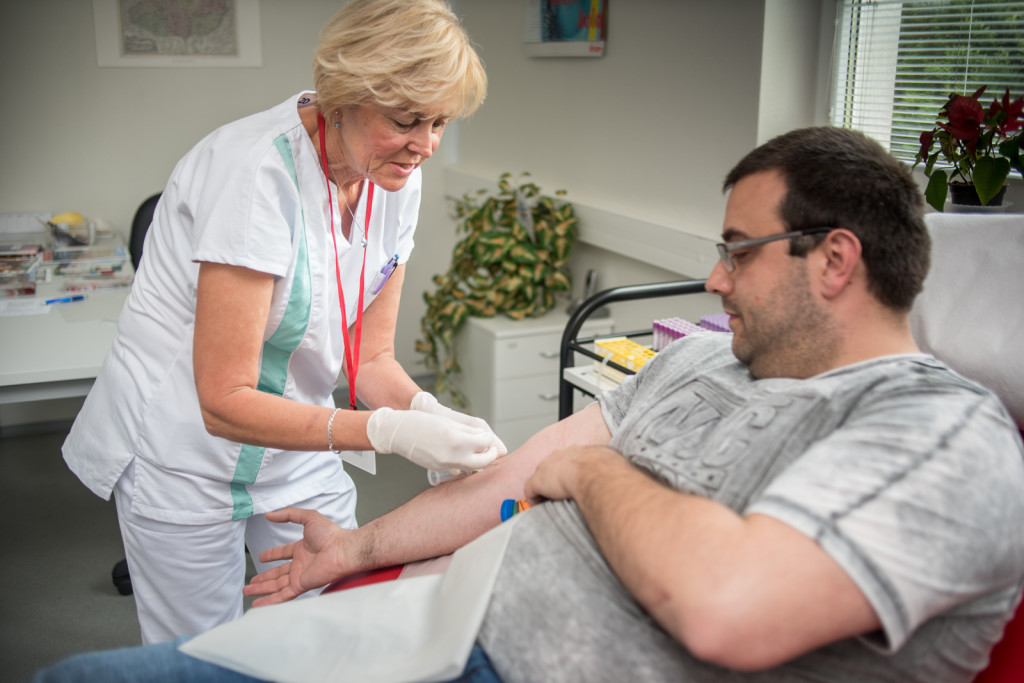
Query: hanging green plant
[(513, 260)]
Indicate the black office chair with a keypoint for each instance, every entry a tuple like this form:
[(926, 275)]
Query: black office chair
[(140, 226)]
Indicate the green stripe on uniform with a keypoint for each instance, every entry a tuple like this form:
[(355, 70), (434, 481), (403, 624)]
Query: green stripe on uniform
[(277, 351)]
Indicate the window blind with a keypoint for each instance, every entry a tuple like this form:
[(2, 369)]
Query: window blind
[(897, 62)]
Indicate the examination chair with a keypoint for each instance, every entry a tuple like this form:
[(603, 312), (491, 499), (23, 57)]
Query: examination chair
[(969, 315)]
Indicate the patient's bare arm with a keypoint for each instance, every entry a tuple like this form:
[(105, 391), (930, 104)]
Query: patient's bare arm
[(436, 522)]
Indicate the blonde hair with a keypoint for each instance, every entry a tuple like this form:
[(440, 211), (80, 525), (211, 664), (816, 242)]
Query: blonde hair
[(398, 53)]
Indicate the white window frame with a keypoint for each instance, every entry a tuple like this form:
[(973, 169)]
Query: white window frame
[(866, 78)]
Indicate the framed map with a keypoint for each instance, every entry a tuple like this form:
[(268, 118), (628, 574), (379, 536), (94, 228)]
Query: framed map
[(172, 33)]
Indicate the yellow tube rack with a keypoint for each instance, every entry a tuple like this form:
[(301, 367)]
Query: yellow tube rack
[(623, 351)]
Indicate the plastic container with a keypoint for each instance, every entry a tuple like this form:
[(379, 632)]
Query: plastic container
[(436, 477)]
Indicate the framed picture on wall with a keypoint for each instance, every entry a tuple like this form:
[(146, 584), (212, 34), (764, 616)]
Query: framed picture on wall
[(174, 33), (565, 28)]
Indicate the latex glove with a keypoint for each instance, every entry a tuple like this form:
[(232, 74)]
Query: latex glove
[(426, 402), (431, 441)]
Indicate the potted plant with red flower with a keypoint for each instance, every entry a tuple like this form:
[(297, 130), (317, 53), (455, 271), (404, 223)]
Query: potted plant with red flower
[(980, 146)]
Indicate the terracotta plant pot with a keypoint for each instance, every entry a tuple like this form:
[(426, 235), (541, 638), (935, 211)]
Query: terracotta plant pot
[(967, 195)]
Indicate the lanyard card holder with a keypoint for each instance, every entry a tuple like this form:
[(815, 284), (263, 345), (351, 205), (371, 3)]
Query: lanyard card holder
[(364, 460)]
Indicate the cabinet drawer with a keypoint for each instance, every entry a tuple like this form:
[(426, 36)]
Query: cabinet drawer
[(519, 356), (526, 396), (537, 353)]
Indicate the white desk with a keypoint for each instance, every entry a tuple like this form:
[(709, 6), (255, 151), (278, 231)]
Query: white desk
[(57, 354)]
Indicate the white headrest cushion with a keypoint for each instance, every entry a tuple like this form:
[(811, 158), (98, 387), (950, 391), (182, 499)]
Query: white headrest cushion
[(971, 312)]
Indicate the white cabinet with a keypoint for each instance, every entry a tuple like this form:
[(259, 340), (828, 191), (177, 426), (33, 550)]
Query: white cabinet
[(510, 370)]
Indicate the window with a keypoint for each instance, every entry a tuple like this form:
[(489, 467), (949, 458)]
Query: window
[(897, 62)]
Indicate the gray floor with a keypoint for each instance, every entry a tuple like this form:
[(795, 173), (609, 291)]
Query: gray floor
[(60, 542)]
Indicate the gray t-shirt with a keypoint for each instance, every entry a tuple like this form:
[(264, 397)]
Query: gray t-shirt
[(906, 473)]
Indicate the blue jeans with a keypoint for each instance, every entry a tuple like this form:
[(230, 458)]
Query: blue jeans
[(164, 662)]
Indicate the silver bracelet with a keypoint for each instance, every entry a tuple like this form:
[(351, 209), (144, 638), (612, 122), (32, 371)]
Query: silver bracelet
[(330, 437)]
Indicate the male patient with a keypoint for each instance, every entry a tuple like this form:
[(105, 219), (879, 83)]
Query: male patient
[(808, 498)]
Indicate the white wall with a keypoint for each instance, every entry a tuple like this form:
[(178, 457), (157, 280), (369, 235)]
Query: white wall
[(640, 138), (794, 68), (647, 130)]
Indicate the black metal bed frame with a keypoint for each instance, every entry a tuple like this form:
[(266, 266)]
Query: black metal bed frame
[(571, 345)]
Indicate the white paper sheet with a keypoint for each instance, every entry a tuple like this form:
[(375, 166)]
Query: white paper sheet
[(415, 629), (24, 306)]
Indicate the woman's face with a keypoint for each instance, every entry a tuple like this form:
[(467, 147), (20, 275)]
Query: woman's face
[(385, 144)]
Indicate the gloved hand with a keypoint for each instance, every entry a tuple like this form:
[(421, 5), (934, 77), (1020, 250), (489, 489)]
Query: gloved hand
[(426, 402), (431, 441)]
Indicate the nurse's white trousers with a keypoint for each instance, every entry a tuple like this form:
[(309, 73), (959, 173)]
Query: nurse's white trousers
[(188, 579)]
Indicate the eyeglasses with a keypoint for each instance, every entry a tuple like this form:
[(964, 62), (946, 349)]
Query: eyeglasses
[(725, 249)]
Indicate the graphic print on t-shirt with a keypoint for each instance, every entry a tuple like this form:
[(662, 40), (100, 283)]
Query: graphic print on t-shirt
[(693, 441)]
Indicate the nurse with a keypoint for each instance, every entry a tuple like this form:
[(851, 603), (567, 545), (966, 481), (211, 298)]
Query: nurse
[(274, 263)]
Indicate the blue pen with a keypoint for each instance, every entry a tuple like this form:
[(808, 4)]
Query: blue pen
[(66, 299)]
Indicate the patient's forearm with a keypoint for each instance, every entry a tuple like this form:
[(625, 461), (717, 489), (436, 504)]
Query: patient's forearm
[(444, 518), (436, 522)]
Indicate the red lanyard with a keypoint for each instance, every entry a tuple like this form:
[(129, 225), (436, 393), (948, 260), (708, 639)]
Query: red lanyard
[(351, 344)]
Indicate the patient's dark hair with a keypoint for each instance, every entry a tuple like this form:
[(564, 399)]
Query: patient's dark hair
[(841, 178)]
